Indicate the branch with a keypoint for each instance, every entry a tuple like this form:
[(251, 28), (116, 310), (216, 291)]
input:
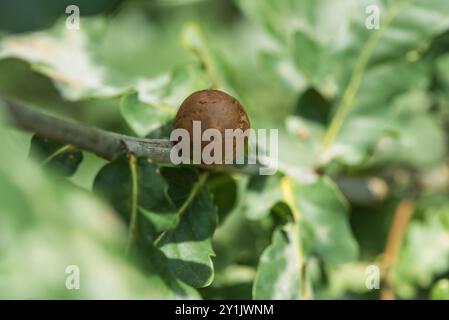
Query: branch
[(109, 145), (355, 81), (105, 144)]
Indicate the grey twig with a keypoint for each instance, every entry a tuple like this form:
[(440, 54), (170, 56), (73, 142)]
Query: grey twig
[(109, 145)]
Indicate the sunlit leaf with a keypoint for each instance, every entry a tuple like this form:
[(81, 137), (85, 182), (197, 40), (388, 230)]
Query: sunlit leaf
[(425, 254), (263, 192), (114, 182), (306, 54), (440, 291), (224, 189), (188, 247), (63, 56), (144, 117), (279, 274)]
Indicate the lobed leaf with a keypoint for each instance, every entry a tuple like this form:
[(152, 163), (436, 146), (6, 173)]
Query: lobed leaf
[(324, 210), (279, 274), (64, 159), (188, 247)]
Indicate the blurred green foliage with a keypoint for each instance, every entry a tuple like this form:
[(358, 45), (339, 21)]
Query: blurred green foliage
[(347, 101)]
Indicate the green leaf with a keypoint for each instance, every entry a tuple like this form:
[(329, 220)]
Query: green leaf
[(414, 25), (349, 278), (284, 70), (188, 247), (406, 28), (64, 159), (306, 33), (213, 64), (239, 240), (144, 117), (184, 80), (307, 135), (53, 10), (335, 31), (279, 274), (79, 65), (233, 282), (439, 46), (421, 143), (156, 213), (324, 210), (155, 101)]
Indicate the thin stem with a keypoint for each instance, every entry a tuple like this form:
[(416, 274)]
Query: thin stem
[(350, 93), (105, 144), (60, 150), (193, 193), (289, 198)]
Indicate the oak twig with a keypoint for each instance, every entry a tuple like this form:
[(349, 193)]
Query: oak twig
[(105, 144)]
